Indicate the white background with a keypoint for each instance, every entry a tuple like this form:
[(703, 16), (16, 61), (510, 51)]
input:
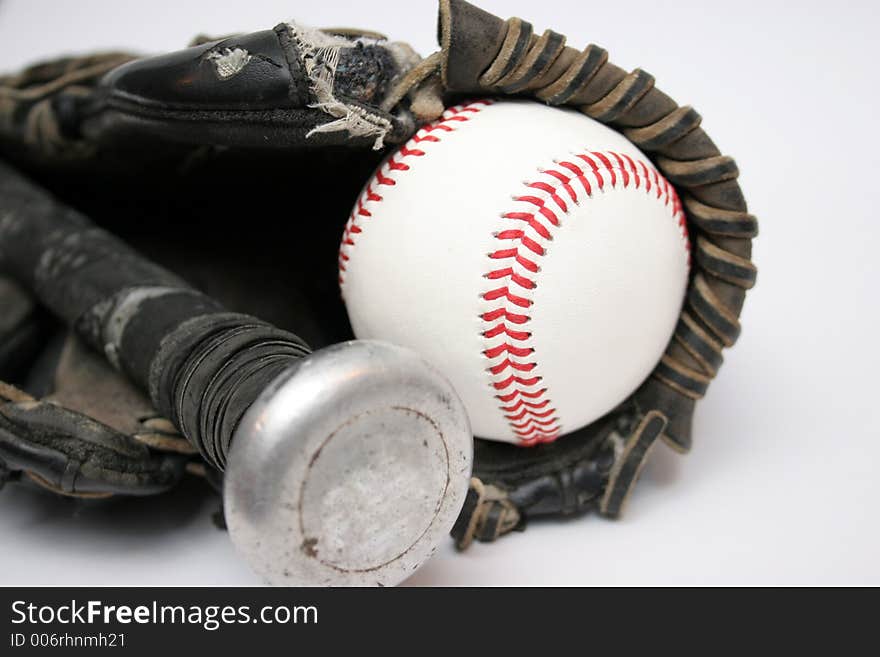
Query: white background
[(782, 484)]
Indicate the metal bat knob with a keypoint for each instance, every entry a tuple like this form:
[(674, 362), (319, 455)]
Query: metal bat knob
[(343, 467), (349, 469)]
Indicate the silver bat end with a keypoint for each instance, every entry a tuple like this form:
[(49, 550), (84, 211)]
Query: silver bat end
[(349, 469)]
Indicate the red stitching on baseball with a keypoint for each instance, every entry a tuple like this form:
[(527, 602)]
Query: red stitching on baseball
[(537, 421), (579, 174), (551, 191), (532, 222), (514, 253), (501, 329), (532, 412), (519, 381), (492, 315), (411, 152), (418, 139), (532, 421), (395, 163), (513, 365), (534, 394), (371, 195), (503, 292), (384, 180), (564, 180), (526, 241), (509, 349), (546, 212), (527, 408), (521, 402), (507, 272)]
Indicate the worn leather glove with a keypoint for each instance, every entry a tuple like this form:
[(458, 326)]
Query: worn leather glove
[(218, 159)]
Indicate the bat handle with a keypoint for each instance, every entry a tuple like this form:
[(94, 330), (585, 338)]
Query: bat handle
[(201, 365), (209, 370)]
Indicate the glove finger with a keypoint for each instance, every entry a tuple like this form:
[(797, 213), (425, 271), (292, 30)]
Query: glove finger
[(71, 454)]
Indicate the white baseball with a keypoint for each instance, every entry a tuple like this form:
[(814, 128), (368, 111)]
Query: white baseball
[(532, 254)]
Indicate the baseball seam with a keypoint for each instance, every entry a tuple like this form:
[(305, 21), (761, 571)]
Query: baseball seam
[(386, 174), (530, 225)]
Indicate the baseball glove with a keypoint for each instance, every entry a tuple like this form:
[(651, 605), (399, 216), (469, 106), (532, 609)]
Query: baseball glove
[(219, 160)]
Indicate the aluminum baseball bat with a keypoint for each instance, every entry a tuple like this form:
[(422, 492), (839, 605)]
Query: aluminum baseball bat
[(346, 466)]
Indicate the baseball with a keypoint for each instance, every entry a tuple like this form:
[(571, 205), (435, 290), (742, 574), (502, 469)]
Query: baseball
[(531, 253)]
